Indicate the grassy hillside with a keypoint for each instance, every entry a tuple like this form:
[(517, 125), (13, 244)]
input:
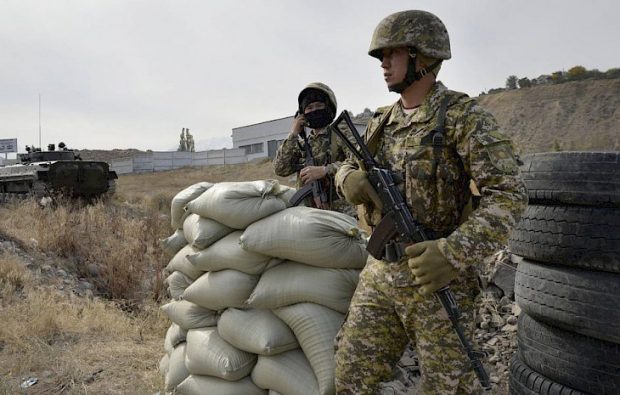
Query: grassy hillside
[(580, 115)]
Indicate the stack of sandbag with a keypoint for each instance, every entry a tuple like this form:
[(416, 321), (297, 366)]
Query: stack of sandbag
[(208, 273), (258, 292), (310, 292)]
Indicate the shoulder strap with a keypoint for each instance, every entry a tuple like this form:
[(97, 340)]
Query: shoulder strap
[(373, 139), (436, 137)]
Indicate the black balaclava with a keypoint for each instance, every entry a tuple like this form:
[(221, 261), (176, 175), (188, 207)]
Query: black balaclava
[(319, 118)]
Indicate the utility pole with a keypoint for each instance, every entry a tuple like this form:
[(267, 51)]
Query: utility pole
[(39, 121)]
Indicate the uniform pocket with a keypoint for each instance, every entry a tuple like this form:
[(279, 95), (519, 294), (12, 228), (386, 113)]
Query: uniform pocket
[(421, 190), (434, 194), (500, 153)]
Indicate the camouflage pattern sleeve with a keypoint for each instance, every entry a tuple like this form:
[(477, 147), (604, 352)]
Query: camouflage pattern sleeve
[(287, 156), (488, 158), (346, 167)]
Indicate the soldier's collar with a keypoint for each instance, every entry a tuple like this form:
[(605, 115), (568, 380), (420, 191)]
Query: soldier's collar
[(425, 112), (319, 132)]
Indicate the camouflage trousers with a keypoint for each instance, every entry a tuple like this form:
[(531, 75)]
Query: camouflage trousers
[(386, 313)]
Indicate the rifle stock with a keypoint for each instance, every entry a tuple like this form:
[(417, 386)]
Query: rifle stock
[(381, 235), (301, 194)]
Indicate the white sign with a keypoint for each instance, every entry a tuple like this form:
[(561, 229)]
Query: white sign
[(8, 145)]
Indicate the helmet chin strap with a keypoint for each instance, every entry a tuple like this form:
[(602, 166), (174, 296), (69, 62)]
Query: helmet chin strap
[(412, 75)]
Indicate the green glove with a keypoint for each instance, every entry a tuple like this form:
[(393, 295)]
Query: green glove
[(357, 189), (431, 269)]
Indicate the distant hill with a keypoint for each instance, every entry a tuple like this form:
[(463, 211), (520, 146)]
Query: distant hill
[(580, 115)]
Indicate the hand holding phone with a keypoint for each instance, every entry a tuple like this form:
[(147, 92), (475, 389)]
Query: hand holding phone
[(298, 123)]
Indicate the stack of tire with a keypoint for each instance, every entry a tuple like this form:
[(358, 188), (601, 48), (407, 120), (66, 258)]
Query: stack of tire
[(568, 281)]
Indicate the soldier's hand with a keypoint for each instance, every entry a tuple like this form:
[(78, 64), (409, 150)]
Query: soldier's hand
[(430, 267), (298, 124), (357, 190), (311, 173)]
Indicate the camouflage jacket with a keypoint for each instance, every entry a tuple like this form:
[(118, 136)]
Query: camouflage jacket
[(327, 151), (437, 193)]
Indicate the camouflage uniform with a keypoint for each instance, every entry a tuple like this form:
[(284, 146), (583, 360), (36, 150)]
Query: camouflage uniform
[(327, 151), (386, 311)]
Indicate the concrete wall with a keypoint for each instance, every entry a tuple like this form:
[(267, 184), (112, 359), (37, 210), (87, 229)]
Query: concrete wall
[(259, 134), (122, 166), (159, 161)]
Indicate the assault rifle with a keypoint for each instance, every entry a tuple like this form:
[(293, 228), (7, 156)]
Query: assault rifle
[(398, 221), (315, 187)]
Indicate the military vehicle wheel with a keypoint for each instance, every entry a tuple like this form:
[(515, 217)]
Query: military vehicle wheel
[(525, 381), (581, 178), (580, 362), (582, 301), (585, 237)]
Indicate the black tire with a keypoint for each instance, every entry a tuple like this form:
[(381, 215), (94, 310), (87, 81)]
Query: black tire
[(525, 381), (577, 300), (580, 362), (585, 237), (581, 178)]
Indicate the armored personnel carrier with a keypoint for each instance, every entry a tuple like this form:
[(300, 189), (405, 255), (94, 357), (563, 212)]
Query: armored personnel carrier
[(44, 173)]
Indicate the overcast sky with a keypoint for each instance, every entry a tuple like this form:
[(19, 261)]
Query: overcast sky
[(131, 74)]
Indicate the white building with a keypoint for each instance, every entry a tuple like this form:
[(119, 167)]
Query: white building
[(262, 140)]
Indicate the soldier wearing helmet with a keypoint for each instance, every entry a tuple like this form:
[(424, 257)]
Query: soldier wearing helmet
[(443, 146), (316, 110)]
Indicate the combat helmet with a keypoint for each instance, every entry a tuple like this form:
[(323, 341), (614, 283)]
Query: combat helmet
[(420, 31), (321, 87)]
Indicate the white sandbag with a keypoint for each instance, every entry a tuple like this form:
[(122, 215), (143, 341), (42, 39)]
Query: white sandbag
[(238, 204), (258, 331), (292, 282), (286, 193), (272, 392), (176, 283), (288, 373), (273, 262), (164, 364), (219, 290), (208, 354), (228, 254), (202, 232), (189, 315), (180, 263), (175, 335), (309, 235), (315, 327), (177, 207), (174, 242), (176, 368), (207, 385)]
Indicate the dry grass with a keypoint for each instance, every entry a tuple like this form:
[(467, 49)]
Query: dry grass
[(162, 186), (63, 340), (14, 277), (83, 345), (113, 244)]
